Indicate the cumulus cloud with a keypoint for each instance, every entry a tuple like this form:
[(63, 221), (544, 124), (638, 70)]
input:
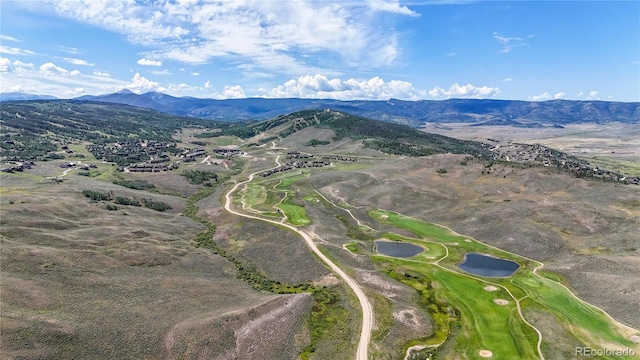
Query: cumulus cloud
[(593, 95), (139, 84), (233, 92), (16, 67), (546, 96), (320, 87), (392, 6), (147, 62), (5, 64), (509, 43), (464, 91), (52, 69)]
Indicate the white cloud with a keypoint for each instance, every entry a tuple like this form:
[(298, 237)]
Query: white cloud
[(593, 95), (5, 64), (392, 6), (320, 87), (51, 79), (546, 96), (195, 74), (207, 84), (147, 62), (163, 72), (139, 84), (103, 74), (69, 50), (233, 92), (275, 36), (15, 51), (508, 43), (52, 69), (78, 62), (8, 38), (464, 91), (75, 92), (16, 67), (507, 80)]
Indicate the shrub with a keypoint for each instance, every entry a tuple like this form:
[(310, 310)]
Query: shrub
[(96, 195), (441, 171), (315, 142), (198, 176), (156, 205), (127, 201), (135, 184)]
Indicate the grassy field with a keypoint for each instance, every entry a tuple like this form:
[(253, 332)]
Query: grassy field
[(627, 167), (67, 261), (483, 329)]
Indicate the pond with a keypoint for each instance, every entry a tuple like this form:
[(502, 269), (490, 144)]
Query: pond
[(397, 249), (483, 265)]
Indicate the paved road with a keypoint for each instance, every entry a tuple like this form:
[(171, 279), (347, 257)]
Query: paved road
[(367, 311)]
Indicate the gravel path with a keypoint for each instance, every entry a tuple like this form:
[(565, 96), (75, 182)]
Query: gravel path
[(367, 311)]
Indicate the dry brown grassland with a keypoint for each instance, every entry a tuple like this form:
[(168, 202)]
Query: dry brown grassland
[(80, 281)]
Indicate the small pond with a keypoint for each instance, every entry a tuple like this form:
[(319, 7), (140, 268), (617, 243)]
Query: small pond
[(397, 249), (488, 266)]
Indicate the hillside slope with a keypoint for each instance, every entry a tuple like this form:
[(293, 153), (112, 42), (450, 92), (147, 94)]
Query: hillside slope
[(387, 137)]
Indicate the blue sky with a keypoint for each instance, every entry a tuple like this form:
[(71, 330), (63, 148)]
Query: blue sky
[(375, 49)]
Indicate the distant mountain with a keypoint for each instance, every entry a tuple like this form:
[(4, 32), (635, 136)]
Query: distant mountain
[(15, 96), (414, 113)]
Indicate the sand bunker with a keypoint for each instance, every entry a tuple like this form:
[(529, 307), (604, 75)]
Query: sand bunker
[(384, 216), (635, 338), (467, 240), (454, 244), (490, 288), (500, 301), (485, 353)]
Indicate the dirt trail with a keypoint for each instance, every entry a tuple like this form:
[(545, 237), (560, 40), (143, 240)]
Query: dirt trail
[(367, 310)]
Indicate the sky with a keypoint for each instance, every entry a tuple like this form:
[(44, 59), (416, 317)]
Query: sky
[(345, 50)]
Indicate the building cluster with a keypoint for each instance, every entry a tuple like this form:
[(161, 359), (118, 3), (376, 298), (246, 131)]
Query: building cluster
[(228, 152), (18, 166), (542, 155), (131, 151), (296, 165), (151, 167), (339, 158)]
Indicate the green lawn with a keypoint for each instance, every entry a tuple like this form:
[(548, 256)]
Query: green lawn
[(295, 214)]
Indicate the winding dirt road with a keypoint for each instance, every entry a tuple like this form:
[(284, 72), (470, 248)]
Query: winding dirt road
[(367, 311)]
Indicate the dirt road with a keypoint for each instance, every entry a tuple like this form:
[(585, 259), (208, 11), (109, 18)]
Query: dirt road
[(367, 311)]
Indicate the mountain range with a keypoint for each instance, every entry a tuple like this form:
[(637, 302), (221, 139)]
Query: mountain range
[(415, 113)]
